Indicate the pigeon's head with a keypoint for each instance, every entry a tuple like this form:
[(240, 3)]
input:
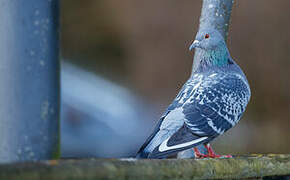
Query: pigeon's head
[(208, 39), (213, 49)]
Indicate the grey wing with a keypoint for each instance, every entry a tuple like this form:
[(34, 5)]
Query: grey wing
[(215, 108), (169, 122), (212, 109)]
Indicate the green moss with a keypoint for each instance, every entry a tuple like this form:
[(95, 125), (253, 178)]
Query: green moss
[(187, 169)]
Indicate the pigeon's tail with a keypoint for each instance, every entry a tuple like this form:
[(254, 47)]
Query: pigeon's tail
[(152, 141), (181, 140), (142, 155), (150, 144)]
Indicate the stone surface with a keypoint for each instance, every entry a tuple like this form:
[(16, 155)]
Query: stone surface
[(240, 167)]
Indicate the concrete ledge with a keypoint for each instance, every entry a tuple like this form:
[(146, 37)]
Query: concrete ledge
[(254, 166)]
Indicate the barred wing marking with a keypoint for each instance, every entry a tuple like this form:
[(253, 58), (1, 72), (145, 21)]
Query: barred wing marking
[(216, 105)]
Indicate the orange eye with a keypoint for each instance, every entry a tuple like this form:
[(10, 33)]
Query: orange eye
[(206, 36)]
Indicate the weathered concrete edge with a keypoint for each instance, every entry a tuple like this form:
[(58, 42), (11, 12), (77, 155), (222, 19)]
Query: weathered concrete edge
[(233, 168)]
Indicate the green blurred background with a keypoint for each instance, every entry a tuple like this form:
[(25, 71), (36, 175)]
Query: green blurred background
[(143, 45)]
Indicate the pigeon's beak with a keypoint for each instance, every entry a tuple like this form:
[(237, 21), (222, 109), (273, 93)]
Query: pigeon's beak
[(194, 44)]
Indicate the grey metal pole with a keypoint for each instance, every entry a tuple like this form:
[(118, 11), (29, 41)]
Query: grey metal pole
[(214, 14), (29, 80)]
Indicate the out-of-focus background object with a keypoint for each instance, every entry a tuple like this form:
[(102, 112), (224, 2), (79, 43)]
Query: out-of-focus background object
[(141, 47), (99, 118)]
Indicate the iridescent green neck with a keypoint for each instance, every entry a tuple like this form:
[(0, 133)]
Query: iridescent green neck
[(211, 58)]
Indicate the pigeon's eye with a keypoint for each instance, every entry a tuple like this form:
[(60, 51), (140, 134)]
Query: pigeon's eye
[(206, 36)]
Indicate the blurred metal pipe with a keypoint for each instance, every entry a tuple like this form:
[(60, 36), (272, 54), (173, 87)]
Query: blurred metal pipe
[(29, 80), (214, 14)]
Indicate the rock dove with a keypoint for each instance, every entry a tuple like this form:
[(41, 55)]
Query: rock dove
[(211, 102)]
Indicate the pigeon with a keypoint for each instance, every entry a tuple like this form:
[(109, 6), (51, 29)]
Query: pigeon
[(211, 102)]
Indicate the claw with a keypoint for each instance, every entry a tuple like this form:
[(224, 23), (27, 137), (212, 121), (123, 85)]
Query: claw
[(198, 154), (212, 154), (210, 151)]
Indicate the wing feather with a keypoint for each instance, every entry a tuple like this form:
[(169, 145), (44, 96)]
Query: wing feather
[(209, 107)]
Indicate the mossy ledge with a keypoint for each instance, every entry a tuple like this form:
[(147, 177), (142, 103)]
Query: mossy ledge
[(253, 166)]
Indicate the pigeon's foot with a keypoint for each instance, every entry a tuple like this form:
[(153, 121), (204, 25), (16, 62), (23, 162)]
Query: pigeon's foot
[(198, 154), (212, 154)]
